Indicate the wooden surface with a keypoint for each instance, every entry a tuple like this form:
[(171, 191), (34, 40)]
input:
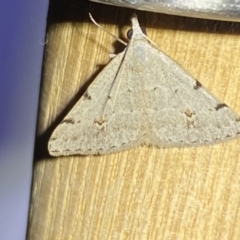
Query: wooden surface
[(144, 193)]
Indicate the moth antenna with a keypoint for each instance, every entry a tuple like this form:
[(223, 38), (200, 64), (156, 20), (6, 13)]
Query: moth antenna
[(105, 30)]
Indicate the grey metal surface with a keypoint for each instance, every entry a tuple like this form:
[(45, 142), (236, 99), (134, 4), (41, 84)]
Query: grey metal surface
[(228, 10)]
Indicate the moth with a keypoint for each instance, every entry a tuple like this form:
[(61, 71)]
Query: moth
[(141, 97)]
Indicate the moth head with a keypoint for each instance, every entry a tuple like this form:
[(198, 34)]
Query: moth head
[(130, 33)]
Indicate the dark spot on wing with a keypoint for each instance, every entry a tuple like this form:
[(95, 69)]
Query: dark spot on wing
[(189, 113), (68, 121), (198, 85), (238, 120), (100, 121), (221, 105), (87, 96)]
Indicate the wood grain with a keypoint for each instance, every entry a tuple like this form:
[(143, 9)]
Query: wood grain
[(144, 193)]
